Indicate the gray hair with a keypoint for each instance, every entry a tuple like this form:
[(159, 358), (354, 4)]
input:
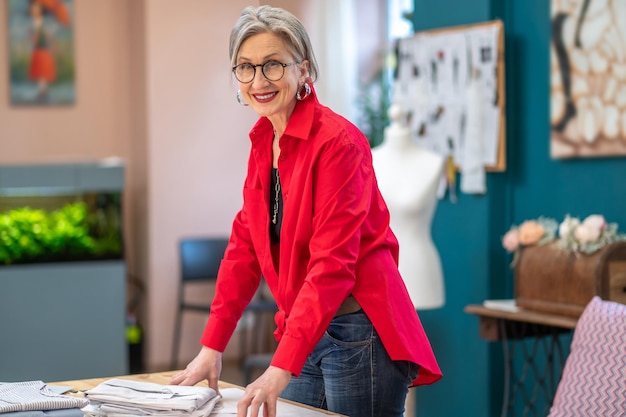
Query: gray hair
[(268, 19)]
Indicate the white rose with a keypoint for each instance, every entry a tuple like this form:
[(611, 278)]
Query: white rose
[(586, 233), (596, 221), (567, 227)]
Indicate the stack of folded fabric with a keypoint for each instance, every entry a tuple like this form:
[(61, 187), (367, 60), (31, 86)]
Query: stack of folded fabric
[(36, 399), (125, 398)]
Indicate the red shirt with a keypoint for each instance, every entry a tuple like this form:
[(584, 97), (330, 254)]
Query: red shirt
[(335, 241)]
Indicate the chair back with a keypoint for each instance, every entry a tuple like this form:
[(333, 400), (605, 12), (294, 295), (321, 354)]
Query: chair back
[(200, 258)]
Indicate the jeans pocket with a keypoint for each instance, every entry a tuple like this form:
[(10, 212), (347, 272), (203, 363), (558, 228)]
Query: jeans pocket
[(407, 368), (350, 330)]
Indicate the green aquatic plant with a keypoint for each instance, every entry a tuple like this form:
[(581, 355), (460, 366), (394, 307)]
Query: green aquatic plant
[(30, 235)]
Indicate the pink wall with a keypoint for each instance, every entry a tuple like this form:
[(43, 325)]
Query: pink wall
[(153, 87), (197, 149)]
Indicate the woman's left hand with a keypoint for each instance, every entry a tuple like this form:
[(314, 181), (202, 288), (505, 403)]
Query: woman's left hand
[(264, 391)]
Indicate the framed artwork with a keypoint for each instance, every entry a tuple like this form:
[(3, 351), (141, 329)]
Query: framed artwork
[(588, 78), (41, 53)]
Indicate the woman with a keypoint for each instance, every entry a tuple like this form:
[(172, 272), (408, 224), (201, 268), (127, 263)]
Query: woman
[(314, 224), (42, 68)]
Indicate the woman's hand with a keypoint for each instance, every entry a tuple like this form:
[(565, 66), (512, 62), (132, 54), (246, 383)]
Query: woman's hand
[(264, 391), (206, 365)]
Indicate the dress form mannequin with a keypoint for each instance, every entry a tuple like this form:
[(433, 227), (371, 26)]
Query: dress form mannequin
[(408, 177)]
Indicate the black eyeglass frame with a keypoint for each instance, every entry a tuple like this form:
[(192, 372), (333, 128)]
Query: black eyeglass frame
[(254, 66)]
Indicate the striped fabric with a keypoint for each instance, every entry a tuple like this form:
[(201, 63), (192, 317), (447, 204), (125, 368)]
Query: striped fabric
[(34, 396), (594, 377)]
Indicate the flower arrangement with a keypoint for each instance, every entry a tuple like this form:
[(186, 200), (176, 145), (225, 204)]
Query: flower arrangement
[(574, 236), (587, 236)]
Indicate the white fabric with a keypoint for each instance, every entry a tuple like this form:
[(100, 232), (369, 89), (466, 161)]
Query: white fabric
[(134, 398), (34, 396)]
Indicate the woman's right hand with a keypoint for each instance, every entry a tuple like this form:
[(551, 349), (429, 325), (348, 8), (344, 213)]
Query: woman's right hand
[(206, 365)]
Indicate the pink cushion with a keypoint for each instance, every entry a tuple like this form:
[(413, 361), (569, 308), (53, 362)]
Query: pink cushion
[(594, 377)]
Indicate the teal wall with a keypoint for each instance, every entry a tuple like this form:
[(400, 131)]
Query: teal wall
[(468, 233)]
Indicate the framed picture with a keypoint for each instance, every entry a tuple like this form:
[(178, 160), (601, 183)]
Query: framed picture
[(588, 79), (41, 53)]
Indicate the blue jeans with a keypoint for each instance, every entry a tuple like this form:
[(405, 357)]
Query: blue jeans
[(350, 372)]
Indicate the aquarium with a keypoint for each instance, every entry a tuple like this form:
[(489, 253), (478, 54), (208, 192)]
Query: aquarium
[(62, 271), (61, 213)]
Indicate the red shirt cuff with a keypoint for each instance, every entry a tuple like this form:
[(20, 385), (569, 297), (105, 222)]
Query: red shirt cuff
[(217, 333), (290, 355)]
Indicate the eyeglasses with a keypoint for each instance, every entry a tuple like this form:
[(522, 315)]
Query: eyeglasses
[(272, 70)]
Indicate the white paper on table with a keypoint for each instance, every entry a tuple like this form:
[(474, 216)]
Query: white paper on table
[(227, 407)]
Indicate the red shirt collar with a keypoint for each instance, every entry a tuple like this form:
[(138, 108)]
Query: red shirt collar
[(299, 125)]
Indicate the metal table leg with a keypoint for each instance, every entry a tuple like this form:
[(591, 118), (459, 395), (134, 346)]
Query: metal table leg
[(531, 383)]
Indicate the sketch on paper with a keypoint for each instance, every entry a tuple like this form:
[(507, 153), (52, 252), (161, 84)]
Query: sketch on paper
[(41, 57), (588, 78)]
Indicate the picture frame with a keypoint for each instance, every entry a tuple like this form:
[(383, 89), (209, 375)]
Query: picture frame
[(588, 79), (41, 52)]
